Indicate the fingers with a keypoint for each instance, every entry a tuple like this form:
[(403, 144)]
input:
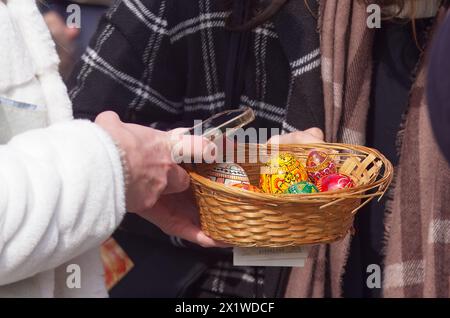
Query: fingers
[(59, 29), (72, 33), (312, 135), (179, 131), (53, 20), (195, 235), (189, 148), (178, 180), (316, 133), (175, 221)]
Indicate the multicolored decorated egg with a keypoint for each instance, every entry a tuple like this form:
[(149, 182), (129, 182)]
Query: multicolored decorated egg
[(228, 174), (247, 187), (302, 188), (280, 172), (335, 181), (319, 164)]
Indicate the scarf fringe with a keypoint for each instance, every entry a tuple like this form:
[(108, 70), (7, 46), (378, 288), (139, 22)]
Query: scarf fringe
[(390, 194), (388, 215)]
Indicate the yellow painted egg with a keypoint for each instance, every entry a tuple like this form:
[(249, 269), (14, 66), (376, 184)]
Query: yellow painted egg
[(280, 172)]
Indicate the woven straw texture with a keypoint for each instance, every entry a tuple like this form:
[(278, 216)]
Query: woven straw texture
[(248, 219)]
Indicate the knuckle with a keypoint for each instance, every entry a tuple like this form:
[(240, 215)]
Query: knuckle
[(104, 116), (316, 132)]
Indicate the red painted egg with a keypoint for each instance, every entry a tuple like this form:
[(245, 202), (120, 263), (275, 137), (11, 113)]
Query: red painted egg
[(335, 181), (318, 165)]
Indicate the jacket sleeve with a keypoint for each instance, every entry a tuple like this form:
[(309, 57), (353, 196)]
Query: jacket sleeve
[(131, 66), (61, 194)]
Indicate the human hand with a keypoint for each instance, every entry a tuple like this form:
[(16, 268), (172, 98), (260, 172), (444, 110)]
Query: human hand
[(177, 214), (309, 136), (64, 38), (149, 158), (154, 175)]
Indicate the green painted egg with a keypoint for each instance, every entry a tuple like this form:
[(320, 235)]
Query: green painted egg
[(302, 188)]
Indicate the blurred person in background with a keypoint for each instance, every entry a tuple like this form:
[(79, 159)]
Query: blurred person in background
[(64, 189), (165, 63), (439, 88), (72, 41)]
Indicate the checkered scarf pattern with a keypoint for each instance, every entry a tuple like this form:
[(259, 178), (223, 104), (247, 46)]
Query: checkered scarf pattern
[(220, 277), (163, 63)]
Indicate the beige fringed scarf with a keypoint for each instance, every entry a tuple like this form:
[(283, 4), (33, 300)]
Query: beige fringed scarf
[(417, 250), (417, 260), (346, 45)]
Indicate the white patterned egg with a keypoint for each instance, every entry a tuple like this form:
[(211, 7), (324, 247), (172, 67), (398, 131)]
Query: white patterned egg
[(228, 174)]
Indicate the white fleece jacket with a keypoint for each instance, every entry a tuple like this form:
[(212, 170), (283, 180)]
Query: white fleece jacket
[(61, 188), (61, 194)]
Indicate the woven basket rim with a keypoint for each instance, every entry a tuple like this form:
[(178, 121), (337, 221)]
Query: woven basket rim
[(357, 192)]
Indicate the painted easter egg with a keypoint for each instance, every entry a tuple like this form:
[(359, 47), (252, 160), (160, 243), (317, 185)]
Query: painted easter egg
[(303, 187), (247, 187), (280, 172), (335, 181), (319, 164), (228, 174)]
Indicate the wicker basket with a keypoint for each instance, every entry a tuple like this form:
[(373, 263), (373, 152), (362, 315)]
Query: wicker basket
[(249, 219)]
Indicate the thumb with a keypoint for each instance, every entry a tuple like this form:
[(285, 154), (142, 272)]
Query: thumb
[(316, 133), (108, 118), (312, 135)]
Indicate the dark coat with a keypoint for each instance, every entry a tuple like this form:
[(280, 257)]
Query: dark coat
[(439, 88)]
